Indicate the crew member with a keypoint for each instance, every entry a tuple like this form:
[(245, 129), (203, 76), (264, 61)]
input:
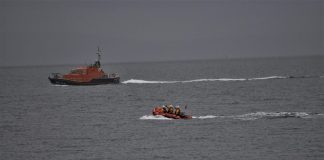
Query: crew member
[(170, 109), (165, 109), (177, 110)]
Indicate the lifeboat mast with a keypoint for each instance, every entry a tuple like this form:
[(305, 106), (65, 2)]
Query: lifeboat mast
[(97, 63)]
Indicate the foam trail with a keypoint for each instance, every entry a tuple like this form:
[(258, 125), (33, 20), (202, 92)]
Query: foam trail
[(59, 85), (207, 117), (265, 115), (272, 115), (270, 77), (138, 81), (210, 80), (319, 115), (151, 117), (248, 116)]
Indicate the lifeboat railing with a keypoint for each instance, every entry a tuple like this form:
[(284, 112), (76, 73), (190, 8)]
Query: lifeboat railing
[(112, 75), (55, 75)]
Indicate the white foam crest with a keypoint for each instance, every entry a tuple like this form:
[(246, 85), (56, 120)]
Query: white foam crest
[(152, 117)]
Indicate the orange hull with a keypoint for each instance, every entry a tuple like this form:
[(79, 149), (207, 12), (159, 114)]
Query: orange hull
[(84, 74)]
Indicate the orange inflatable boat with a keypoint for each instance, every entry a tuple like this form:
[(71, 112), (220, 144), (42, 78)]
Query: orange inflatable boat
[(160, 111)]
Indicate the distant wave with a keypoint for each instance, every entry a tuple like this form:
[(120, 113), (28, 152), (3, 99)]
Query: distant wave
[(248, 116), (138, 81)]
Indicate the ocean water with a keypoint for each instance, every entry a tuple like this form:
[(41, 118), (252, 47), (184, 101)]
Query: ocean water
[(262, 108)]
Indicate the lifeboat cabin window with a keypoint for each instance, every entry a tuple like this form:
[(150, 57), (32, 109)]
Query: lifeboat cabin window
[(78, 71)]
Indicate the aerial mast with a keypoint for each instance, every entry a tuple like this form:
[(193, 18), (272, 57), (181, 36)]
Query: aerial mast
[(99, 54), (97, 63)]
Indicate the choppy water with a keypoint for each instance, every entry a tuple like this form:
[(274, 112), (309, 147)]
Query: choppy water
[(242, 109)]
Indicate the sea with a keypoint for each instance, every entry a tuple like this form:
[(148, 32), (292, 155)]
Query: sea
[(243, 109)]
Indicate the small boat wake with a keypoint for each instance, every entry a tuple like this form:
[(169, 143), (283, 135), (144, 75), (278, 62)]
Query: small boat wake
[(208, 117), (248, 116), (266, 115), (152, 117), (58, 85), (138, 81)]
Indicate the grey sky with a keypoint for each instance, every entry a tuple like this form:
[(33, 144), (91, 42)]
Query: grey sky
[(63, 32)]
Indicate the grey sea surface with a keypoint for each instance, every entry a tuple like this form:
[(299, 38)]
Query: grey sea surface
[(258, 108)]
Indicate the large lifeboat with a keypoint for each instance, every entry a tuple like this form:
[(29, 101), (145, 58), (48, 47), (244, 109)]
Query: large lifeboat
[(160, 111), (86, 75)]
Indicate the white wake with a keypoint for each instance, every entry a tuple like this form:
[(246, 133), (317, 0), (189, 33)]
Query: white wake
[(138, 81), (248, 116), (152, 117), (263, 115)]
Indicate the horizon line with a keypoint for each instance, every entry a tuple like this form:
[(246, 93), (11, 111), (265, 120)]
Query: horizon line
[(161, 61)]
